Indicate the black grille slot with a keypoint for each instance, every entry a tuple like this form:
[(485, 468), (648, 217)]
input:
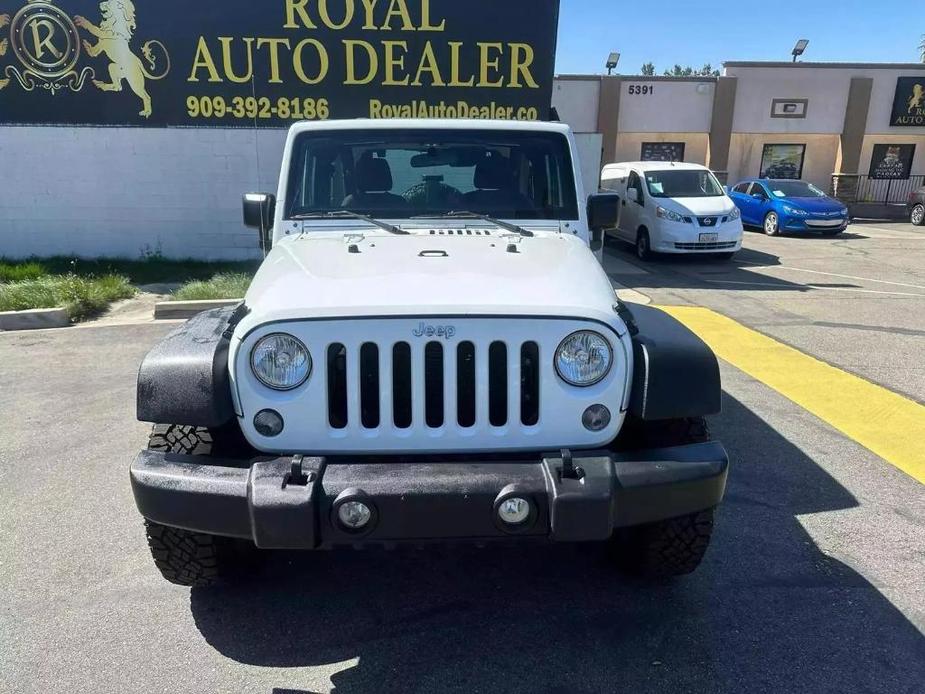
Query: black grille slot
[(337, 386), (401, 385), (497, 384), (529, 383), (465, 384), (433, 384), (369, 385)]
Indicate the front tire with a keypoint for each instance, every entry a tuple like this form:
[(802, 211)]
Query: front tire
[(772, 224), (643, 246), (917, 216), (672, 547), (184, 557)]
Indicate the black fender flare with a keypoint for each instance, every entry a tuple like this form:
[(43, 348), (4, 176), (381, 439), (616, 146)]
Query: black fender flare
[(675, 374), (184, 379)]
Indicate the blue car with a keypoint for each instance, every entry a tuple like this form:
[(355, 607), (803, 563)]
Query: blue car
[(779, 205)]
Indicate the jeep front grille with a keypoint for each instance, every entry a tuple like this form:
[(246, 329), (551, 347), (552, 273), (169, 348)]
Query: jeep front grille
[(445, 378)]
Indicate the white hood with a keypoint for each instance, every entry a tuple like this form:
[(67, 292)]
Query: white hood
[(375, 273), (698, 207)]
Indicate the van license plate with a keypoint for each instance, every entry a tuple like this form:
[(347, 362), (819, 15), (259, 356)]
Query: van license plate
[(708, 238)]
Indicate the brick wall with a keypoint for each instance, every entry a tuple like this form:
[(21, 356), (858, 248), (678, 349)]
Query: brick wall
[(126, 192)]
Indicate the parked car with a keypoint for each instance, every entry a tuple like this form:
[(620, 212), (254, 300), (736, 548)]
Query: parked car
[(410, 368), (778, 205), (917, 207), (673, 208)]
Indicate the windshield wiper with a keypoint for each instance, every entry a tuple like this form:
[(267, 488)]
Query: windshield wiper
[(463, 214), (336, 214)]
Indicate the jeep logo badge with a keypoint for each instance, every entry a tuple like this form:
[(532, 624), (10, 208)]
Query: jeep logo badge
[(424, 330)]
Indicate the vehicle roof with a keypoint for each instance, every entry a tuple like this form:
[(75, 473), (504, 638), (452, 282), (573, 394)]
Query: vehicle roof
[(656, 165), (430, 124), (773, 180)]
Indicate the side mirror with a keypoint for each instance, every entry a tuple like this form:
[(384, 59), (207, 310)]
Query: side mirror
[(259, 210), (603, 210), (758, 196)]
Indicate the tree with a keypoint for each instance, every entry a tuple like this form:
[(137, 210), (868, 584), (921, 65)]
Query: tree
[(678, 71), (648, 70)]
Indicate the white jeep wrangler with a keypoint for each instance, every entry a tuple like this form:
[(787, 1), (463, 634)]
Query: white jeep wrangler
[(430, 351)]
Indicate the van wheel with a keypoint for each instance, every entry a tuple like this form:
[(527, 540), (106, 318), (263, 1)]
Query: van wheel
[(771, 224), (643, 249)]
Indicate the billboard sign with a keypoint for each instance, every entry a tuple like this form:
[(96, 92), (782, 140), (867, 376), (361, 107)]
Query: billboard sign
[(891, 162), (909, 102), (240, 63)]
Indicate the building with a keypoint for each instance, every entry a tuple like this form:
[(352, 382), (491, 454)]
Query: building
[(858, 128)]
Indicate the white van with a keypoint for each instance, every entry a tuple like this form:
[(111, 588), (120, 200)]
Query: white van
[(669, 207)]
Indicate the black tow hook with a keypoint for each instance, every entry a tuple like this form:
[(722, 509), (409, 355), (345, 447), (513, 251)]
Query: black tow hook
[(296, 476), (569, 470)]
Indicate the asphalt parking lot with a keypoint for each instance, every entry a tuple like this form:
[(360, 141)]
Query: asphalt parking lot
[(815, 580)]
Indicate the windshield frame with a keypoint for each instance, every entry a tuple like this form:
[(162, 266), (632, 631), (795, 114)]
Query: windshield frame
[(710, 176), (559, 149)]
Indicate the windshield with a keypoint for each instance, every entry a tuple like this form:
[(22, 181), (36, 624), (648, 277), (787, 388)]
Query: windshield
[(794, 189), (401, 174), (683, 183)]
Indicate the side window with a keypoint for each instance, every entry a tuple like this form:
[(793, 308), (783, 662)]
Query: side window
[(758, 189), (636, 183), (741, 188)]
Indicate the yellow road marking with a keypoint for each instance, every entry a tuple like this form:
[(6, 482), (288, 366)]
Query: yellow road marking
[(888, 424)]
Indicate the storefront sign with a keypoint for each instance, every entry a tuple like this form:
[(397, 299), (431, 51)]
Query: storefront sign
[(782, 161), (909, 102), (892, 161), (243, 63), (662, 151)]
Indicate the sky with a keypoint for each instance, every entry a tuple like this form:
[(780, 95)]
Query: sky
[(703, 31)]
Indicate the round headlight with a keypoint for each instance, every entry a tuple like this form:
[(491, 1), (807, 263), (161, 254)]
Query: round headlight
[(281, 361), (583, 358)]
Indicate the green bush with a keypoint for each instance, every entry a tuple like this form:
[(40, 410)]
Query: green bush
[(16, 272), (222, 286), (149, 270), (80, 296)]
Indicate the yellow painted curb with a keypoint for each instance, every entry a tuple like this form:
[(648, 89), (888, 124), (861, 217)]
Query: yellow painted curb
[(882, 421)]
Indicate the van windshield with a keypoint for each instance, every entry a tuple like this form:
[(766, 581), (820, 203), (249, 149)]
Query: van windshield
[(683, 183), (401, 174)]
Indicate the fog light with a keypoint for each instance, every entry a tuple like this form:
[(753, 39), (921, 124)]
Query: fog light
[(596, 418), (268, 423), (354, 515), (514, 510)]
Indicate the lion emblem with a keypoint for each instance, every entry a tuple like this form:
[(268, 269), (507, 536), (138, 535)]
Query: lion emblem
[(113, 37), (4, 44), (917, 100)]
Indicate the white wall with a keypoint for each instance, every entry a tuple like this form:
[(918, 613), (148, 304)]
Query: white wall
[(589, 153), (577, 100), (827, 91), (126, 192), (670, 106)]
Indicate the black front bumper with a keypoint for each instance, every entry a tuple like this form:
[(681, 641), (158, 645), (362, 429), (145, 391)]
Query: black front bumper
[(417, 502)]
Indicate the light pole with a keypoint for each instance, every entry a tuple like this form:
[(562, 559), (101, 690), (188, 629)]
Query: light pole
[(612, 61), (799, 48)]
